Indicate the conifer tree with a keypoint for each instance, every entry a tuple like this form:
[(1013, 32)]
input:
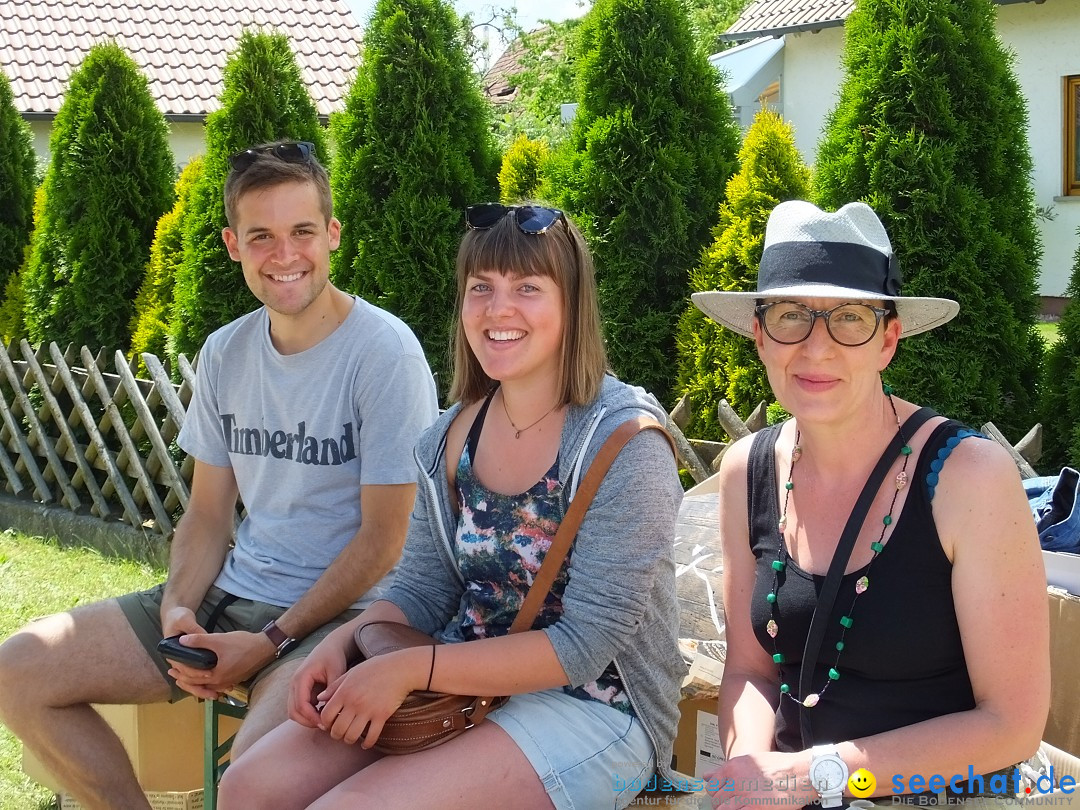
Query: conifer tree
[(17, 167), (109, 179), (522, 169), (149, 325), (652, 146), (413, 148), (1061, 387), (264, 100), (715, 363), (930, 131)]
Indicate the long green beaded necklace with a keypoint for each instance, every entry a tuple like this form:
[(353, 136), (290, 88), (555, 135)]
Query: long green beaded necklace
[(861, 585)]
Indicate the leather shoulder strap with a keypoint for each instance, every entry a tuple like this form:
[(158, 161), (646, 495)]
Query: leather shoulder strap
[(831, 586), (568, 529), (571, 522)]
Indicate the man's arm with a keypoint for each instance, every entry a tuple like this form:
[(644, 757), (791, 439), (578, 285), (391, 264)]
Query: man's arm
[(372, 552), (198, 546), (369, 555)]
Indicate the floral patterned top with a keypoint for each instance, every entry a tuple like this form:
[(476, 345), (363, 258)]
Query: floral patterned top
[(499, 545)]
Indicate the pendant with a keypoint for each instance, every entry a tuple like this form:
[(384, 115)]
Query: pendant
[(771, 628), (862, 584), (901, 479), (782, 525), (811, 700), (796, 453), (517, 435)]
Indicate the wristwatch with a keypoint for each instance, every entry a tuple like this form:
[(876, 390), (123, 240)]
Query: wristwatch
[(828, 775), (278, 638)]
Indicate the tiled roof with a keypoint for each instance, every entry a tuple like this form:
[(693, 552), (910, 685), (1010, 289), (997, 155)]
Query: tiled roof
[(783, 16), (776, 17), (496, 83), (181, 46)]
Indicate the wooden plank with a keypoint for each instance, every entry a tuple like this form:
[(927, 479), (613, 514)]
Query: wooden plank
[(163, 385), (29, 461), (1026, 470), (88, 480), (698, 568), (14, 481), (145, 485), (730, 421), (680, 414), (115, 477), (149, 423), (686, 453)]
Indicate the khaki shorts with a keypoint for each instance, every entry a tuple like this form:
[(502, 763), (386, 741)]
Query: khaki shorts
[(143, 612)]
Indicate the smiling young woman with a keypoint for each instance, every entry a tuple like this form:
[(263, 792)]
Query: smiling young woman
[(593, 684)]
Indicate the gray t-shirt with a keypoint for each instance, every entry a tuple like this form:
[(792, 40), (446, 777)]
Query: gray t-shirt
[(303, 433)]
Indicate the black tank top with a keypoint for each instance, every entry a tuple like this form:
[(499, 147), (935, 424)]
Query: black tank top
[(903, 661)]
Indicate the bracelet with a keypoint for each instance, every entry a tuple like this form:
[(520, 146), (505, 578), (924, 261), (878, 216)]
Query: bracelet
[(431, 671)]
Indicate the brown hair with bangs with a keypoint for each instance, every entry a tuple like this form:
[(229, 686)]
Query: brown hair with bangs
[(267, 171), (559, 253)]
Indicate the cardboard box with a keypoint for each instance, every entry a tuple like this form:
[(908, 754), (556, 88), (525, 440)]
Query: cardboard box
[(697, 743), (697, 748), (171, 800), (1063, 724), (164, 742)]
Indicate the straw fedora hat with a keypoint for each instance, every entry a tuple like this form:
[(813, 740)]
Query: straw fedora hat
[(810, 253)]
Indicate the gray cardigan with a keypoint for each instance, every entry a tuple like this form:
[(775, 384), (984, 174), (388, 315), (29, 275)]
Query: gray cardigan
[(619, 604)]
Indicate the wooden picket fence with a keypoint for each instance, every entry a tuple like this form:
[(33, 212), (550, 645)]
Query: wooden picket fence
[(85, 433), (702, 458), (89, 435)]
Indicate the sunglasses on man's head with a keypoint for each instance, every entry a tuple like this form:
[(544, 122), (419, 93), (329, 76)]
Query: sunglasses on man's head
[(530, 219), (289, 151)]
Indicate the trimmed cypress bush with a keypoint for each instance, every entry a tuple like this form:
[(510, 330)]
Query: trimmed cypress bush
[(413, 148), (522, 169), (1061, 388), (930, 131), (17, 167), (109, 179), (264, 99), (149, 326), (652, 146), (715, 363)]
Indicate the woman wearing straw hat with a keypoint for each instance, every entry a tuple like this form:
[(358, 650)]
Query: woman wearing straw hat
[(883, 587)]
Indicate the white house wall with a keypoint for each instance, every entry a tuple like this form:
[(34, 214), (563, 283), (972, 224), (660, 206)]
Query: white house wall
[(185, 138), (810, 84), (1044, 37)]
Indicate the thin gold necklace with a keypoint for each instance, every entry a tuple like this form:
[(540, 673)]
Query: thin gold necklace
[(518, 431)]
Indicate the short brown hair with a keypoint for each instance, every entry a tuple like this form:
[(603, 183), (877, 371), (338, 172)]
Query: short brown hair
[(268, 170), (559, 253)]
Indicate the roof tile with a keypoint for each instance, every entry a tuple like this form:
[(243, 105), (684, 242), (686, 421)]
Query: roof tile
[(180, 46)]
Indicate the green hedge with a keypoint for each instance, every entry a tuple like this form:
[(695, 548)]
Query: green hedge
[(264, 99), (714, 362), (110, 177)]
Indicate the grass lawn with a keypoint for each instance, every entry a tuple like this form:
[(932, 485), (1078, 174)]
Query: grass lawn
[(37, 577), (1049, 331)]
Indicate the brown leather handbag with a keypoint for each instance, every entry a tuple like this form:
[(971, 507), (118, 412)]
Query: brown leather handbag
[(427, 719)]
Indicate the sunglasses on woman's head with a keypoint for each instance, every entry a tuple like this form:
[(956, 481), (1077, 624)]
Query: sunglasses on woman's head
[(530, 219), (289, 151)]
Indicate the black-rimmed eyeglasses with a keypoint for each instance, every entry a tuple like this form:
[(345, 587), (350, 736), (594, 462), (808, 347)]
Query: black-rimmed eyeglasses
[(848, 324), (289, 151), (530, 219)]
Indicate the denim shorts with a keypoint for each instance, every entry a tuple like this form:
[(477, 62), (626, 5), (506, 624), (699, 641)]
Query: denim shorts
[(588, 755)]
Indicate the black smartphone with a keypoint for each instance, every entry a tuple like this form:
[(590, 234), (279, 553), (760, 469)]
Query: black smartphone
[(196, 657)]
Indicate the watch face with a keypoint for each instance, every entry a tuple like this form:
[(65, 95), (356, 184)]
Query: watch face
[(827, 775)]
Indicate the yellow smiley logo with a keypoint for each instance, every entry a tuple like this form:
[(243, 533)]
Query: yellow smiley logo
[(862, 783)]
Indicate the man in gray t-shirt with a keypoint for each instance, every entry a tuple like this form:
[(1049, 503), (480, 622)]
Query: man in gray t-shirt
[(307, 410)]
